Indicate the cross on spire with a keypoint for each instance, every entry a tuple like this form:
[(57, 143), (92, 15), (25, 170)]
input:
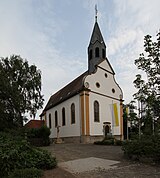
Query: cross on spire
[(96, 12)]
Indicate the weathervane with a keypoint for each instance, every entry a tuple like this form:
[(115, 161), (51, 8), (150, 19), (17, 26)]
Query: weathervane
[(96, 12)]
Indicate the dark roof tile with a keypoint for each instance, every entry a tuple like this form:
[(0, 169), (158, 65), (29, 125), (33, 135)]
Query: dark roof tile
[(67, 92)]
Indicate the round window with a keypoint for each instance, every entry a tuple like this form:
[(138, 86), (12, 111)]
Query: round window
[(97, 85), (106, 75), (113, 90), (86, 84)]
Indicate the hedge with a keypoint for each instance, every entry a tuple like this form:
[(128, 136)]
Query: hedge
[(19, 154), (26, 173), (145, 147)]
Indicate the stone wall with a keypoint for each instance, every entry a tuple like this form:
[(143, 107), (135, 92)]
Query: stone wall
[(83, 139)]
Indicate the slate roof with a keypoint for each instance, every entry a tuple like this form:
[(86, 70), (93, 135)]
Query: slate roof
[(73, 88), (96, 35), (76, 86)]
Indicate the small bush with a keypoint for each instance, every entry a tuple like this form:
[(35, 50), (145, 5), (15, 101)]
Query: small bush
[(19, 154), (118, 142), (18, 133), (98, 142), (26, 173), (108, 137), (39, 136), (109, 140), (145, 147), (106, 141), (132, 149)]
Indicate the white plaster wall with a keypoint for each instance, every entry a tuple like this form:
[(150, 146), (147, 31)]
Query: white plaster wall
[(43, 118), (105, 65), (106, 86), (105, 111), (69, 129)]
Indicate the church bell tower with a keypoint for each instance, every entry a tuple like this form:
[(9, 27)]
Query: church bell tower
[(96, 48)]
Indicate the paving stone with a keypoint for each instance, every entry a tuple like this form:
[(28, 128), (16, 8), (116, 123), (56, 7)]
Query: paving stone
[(88, 164)]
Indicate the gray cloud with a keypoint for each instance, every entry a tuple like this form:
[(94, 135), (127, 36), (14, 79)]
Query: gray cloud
[(41, 32)]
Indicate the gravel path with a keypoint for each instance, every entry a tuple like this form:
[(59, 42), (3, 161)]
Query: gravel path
[(82, 160), (79, 166)]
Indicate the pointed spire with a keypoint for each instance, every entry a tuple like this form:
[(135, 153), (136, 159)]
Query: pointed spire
[(96, 48), (96, 35)]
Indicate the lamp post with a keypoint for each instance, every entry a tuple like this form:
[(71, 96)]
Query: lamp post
[(121, 115)]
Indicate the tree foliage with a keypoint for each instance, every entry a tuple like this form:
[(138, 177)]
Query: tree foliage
[(17, 153), (20, 90), (130, 120), (146, 143), (149, 90)]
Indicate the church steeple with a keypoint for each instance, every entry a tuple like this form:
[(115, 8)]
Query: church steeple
[(96, 48)]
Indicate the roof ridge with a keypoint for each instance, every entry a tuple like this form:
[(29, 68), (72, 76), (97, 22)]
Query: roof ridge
[(66, 92), (70, 83)]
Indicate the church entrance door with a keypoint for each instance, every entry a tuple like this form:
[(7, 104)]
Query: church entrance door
[(107, 130)]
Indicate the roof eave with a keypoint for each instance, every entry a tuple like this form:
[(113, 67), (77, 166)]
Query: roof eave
[(66, 98)]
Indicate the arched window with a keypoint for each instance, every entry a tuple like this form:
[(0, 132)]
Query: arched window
[(103, 53), (90, 54), (63, 117), (72, 113), (56, 119), (97, 52), (50, 121), (96, 111)]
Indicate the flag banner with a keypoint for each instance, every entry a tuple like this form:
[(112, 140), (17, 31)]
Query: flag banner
[(115, 118), (127, 111)]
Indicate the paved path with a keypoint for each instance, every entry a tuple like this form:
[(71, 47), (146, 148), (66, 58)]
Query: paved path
[(83, 165), (67, 152), (96, 161)]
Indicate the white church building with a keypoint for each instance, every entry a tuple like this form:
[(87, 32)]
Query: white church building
[(90, 107)]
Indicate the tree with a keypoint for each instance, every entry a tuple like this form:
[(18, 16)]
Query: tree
[(130, 116), (149, 91), (20, 90), (148, 96)]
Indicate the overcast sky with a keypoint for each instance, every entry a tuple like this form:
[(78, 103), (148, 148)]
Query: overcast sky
[(54, 35)]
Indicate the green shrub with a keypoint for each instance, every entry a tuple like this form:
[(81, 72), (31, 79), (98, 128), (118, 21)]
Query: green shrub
[(156, 148), (18, 133), (26, 173), (108, 137), (118, 142), (108, 142), (19, 154), (132, 148), (98, 142), (105, 141), (39, 136), (146, 147)]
